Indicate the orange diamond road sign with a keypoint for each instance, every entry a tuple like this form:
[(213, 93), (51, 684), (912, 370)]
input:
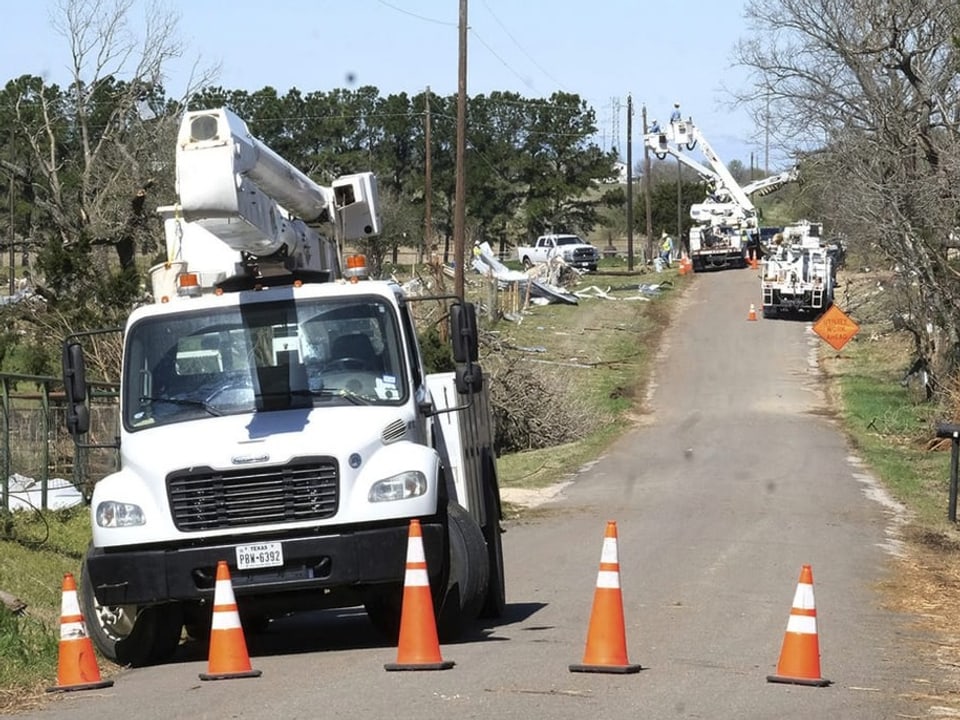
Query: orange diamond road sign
[(836, 327)]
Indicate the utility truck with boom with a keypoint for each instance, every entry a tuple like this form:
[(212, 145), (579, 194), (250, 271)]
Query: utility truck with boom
[(726, 223), (798, 271), (275, 413)]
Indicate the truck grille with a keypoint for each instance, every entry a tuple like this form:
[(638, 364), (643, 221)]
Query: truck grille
[(584, 255), (205, 499)]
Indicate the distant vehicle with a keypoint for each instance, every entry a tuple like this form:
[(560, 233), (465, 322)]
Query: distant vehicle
[(572, 249), (798, 271), (725, 223)]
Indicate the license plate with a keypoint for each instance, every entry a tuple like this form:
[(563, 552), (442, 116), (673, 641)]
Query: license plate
[(260, 555)]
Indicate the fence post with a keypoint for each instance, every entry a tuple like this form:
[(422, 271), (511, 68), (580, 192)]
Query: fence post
[(5, 485), (45, 452), (945, 430)]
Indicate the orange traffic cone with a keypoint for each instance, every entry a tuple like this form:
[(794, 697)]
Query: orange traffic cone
[(800, 656), (606, 649), (228, 648), (77, 664), (419, 648), (752, 315)]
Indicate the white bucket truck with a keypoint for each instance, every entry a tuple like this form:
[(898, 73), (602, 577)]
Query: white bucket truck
[(275, 413)]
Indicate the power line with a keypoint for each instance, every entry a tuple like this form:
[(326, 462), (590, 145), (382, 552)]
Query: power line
[(525, 81), (424, 18), (515, 42)]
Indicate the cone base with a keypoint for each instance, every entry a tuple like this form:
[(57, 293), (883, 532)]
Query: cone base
[(81, 686), (814, 682), (231, 675), (442, 665), (619, 669)]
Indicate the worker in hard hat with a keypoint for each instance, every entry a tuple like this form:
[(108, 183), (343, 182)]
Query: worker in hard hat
[(675, 115), (655, 127), (666, 248)]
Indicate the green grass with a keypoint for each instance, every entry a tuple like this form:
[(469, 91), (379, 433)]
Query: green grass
[(36, 550), (618, 339), (892, 427)]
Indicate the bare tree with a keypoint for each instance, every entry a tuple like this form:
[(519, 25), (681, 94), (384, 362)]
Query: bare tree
[(868, 92), (101, 146), (90, 161)]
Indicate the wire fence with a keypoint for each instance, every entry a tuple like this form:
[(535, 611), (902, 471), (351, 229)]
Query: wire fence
[(35, 443)]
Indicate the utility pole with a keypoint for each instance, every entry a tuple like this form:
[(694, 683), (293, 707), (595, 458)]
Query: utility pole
[(679, 205), (459, 214), (13, 256), (427, 185), (630, 182), (766, 137), (646, 186)]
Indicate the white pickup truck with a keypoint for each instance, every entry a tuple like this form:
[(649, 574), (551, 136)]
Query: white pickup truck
[(572, 249)]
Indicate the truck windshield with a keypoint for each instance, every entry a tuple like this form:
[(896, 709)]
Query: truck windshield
[(569, 240), (260, 358)]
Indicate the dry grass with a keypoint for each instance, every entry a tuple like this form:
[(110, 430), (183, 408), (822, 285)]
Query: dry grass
[(925, 580)]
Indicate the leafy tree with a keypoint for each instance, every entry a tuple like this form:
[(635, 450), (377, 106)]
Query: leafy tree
[(869, 91), (561, 165)]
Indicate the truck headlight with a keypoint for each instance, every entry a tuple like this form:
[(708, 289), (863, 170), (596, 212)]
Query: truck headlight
[(405, 485), (112, 514)]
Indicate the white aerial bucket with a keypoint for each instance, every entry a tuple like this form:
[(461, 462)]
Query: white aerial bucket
[(163, 278)]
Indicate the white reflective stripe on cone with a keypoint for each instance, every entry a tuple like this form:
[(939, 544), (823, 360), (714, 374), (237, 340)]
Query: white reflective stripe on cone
[(416, 577), (803, 624), (609, 552), (225, 620), (72, 631), (415, 551), (69, 604), (803, 598), (608, 579)]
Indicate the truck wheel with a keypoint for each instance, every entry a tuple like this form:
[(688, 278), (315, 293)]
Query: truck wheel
[(469, 575), (128, 634), (527, 264), (383, 612), (496, 599)]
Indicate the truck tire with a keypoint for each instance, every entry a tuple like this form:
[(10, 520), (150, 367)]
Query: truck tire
[(383, 611), (469, 575), (460, 602), (128, 634), (526, 263), (496, 600)]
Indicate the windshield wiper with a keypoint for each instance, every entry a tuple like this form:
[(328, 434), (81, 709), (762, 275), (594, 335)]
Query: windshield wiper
[(348, 395), (203, 404)]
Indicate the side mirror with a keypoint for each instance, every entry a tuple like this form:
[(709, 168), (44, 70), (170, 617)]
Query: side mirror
[(463, 332), (468, 379), (75, 385)]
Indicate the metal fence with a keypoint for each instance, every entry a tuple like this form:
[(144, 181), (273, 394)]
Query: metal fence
[(35, 443)]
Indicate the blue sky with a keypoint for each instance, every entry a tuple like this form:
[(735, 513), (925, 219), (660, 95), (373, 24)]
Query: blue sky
[(677, 51)]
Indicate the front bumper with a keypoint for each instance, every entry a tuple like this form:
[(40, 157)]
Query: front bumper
[(350, 559)]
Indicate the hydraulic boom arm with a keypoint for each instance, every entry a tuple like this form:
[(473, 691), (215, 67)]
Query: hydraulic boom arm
[(257, 203)]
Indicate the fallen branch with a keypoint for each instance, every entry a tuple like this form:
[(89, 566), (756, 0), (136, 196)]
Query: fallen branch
[(13, 604)]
